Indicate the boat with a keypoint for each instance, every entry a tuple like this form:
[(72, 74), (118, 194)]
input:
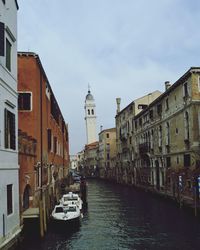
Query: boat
[(71, 199), (67, 214)]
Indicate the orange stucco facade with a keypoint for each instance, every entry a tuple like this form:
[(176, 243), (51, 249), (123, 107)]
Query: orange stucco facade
[(43, 121)]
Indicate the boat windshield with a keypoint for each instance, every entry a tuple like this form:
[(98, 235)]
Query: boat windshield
[(71, 209), (70, 198), (59, 210)]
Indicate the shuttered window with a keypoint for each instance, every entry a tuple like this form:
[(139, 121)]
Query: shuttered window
[(24, 101), (8, 55), (9, 199), (2, 39), (10, 138)]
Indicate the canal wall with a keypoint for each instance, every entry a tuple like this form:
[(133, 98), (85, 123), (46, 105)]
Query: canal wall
[(178, 196)]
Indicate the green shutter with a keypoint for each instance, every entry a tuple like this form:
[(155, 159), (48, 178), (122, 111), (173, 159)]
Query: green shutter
[(6, 127), (12, 132)]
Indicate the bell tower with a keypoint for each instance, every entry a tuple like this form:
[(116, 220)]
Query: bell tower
[(90, 117)]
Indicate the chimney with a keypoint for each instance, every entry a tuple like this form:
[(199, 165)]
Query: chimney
[(167, 85), (118, 100), (101, 128)]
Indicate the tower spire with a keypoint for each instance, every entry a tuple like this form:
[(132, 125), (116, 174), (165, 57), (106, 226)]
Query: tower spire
[(88, 88)]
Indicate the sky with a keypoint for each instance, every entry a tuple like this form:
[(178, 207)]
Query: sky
[(122, 48)]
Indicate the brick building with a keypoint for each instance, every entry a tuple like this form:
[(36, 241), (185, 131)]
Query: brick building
[(40, 118)]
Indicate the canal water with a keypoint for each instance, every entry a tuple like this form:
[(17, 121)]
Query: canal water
[(120, 217)]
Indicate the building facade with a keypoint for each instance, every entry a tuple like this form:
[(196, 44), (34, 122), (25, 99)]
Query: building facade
[(9, 168), (41, 120), (91, 159), (90, 118), (166, 140), (107, 153), (124, 136), (73, 162)]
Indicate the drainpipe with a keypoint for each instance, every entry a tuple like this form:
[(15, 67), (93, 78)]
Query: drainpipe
[(41, 162)]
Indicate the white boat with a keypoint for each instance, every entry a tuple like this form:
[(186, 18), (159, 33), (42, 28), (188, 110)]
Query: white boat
[(71, 199), (70, 213)]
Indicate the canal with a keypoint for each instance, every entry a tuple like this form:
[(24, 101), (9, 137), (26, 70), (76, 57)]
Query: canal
[(120, 217)]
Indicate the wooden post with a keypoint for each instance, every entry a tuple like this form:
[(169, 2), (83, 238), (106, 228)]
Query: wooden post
[(41, 219), (44, 213), (195, 201)]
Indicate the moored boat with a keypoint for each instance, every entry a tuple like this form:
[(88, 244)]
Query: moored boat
[(66, 214), (71, 199)]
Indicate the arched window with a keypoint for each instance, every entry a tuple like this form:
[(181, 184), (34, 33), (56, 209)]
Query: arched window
[(92, 111), (88, 112)]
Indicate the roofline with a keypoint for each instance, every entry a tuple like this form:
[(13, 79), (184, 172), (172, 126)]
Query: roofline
[(106, 130), (170, 89), (121, 111), (36, 56)]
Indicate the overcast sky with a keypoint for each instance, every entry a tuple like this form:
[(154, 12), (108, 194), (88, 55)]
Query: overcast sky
[(122, 48)]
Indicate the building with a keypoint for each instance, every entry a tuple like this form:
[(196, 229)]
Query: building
[(124, 136), (107, 153), (166, 136), (90, 118), (43, 127), (81, 162), (73, 163), (9, 168), (91, 159)]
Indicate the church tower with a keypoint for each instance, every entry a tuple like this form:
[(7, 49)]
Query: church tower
[(90, 118)]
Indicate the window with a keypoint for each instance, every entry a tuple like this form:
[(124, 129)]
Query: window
[(24, 101), (140, 121), (167, 104), (2, 38), (135, 125), (108, 156), (88, 112), (159, 109), (185, 89), (167, 134), (151, 114), (55, 144), (107, 135), (92, 111), (186, 126), (186, 160), (49, 139), (8, 55), (168, 162), (10, 138), (9, 199), (160, 136), (4, 1)]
